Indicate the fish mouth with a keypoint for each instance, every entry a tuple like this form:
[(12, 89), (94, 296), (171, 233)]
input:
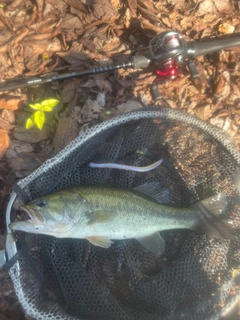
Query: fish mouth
[(35, 220), (38, 224), (35, 216)]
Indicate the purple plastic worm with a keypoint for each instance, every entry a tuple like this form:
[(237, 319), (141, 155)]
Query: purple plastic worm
[(125, 167)]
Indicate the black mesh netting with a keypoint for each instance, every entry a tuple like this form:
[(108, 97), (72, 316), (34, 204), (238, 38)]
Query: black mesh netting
[(196, 277)]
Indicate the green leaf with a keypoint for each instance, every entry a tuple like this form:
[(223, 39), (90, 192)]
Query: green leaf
[(49, 104), (36, 106), (39, 119), (29, 123)]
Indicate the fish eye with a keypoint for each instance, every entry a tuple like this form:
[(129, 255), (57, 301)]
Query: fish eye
[(41, 203)]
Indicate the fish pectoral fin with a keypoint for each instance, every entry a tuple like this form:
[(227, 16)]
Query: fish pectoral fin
[(154, 243), (102, 242)]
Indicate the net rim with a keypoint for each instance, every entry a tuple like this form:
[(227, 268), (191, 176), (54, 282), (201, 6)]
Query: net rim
[(151, 112)]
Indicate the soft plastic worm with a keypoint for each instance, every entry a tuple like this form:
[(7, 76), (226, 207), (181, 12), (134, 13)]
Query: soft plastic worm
[(125, 167)]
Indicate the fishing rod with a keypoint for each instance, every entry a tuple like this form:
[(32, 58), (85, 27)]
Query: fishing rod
[(169, 52)]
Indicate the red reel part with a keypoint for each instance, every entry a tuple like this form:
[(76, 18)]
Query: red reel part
[(168, 70)]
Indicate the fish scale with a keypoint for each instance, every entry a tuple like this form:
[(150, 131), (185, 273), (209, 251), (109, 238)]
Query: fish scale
[(132, 215), (101, 214)]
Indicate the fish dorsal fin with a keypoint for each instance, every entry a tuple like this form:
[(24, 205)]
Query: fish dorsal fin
[(154, 243), (154, 190), (102, 242)]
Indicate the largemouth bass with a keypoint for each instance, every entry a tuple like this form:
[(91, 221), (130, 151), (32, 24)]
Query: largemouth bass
[(101, 214)]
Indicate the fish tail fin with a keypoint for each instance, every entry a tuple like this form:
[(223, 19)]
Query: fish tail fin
[(212, 217)]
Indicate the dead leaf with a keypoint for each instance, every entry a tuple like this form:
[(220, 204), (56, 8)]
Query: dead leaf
[(226, 90), (24, 161), (67, 130), (114, 46), (235, 94), (7, 120), (80, 14), (101, 98), (88, 84), (14, 4), (108, 114), (148, 4), (4, 142), (127, 19), (46, 151), (90, 110), (129, 106), (58, 5), (221, 86), (132, 4), (148, 25), (102, 83), (166, 21), (178, 4), (4, 35), (71, 22), (11, 104), (223, 6), (77, 5), (126, 83), (148, 15), (69, 89), (205, 7), (160, 7), (17, 147), (83, 128), (4, 124), (103, 9), (211, 19), (206, 32), (72, 103), (33, 49), (226, 28), (5, 20), (44, 26), (116, 3), (40, 5), (32, 135), (41, 36), (14, 41), (226, 124), (74, 56), (4, 175), (203, 112), (217, 84)]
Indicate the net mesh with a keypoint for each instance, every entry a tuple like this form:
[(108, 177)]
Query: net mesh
[(196, 277)]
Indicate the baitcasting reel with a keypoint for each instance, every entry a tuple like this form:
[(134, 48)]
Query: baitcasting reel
[(171, 53), (168, 51)]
